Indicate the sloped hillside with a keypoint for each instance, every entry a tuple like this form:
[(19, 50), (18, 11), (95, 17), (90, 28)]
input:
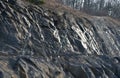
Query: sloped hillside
[(41, 41)]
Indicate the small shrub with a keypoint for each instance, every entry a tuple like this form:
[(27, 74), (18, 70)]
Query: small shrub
[(37, 1)]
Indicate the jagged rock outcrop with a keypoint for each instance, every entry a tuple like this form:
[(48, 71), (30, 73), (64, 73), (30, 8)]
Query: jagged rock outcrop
[(38, 42)]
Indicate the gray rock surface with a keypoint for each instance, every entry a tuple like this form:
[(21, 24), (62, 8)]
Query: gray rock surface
[(37, 42)]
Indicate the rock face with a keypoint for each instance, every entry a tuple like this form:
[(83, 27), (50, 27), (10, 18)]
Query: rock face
[(37, 42)]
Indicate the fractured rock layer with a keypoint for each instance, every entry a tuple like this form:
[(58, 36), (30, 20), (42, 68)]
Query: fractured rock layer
[(38, 42)]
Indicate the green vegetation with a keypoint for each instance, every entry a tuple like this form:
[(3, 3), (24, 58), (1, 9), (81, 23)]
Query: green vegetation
[(37, 1)]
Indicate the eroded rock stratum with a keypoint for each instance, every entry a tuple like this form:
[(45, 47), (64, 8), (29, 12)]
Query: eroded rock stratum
[(38, 42)]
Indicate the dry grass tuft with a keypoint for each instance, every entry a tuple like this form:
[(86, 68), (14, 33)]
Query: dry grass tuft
[(55, 5)]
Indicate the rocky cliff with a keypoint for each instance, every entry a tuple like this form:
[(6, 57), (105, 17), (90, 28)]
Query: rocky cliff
[(39, 42)]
